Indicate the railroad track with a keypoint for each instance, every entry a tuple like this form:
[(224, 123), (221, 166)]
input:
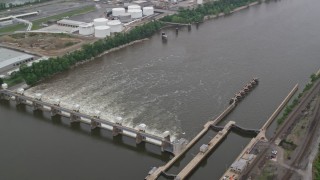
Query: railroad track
[(307, 143), (290, 120)]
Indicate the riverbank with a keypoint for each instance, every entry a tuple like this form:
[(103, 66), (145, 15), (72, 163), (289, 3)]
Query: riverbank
[(295, 101), (208, 17), (44, 69), (18, 79), (122, 46), (212, 9), (32, 77)]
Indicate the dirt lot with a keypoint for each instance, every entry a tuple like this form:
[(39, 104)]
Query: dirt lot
[(45, 44)]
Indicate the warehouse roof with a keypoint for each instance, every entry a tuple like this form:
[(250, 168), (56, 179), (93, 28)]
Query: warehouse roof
[(239, 165), (10, 57)]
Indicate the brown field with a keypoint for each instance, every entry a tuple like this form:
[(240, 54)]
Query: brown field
[(45, 44)]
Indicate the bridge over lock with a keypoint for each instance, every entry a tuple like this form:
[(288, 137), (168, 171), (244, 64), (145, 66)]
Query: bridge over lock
[(236, 127)]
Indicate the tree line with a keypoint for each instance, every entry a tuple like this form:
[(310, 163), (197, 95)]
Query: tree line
[(44, 68), (3, 6), (316, 165), (211, 8)]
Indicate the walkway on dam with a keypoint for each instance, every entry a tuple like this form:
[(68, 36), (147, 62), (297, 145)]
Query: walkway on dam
[(94, 121), (205, 151)]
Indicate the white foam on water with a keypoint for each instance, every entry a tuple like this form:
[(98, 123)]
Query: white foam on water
[(141, 94)]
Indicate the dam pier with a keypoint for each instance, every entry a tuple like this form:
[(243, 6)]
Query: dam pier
[(140, 135)]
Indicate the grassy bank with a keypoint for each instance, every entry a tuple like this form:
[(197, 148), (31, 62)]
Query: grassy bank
[(316, 166), (37, 23), (288, 109), (12, 28), (197, 14), (14, 79)]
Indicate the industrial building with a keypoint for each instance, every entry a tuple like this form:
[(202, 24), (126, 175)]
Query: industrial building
[(10, 59), (69, 23), (239, 165)]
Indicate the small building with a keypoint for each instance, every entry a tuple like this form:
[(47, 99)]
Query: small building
[(203, 148), (69, 23), (239, 165), (10, 59), (179, 145)]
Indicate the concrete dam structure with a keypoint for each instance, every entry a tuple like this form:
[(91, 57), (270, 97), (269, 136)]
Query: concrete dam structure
[(75, 116)]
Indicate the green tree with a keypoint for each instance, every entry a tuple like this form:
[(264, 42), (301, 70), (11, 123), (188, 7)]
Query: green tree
[(313, 77)]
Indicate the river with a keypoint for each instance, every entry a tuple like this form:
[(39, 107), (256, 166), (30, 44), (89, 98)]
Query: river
[(176, 86)]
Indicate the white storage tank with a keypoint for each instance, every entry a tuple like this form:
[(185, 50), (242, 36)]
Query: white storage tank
[(101, 31), (86, 29), (115, 26), (134, 7), (199, 1), (118, 11), (135, 13), (147, 11), (124, 18), (100, 22)]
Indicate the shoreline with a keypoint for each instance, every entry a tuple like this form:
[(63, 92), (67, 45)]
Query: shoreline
[(122, 46), (110, 51), (208, 17), (91, 59), (141, 40)]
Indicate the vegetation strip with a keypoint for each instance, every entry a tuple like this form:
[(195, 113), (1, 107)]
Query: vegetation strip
[(316, 166), (289, 108), (197, 14), (13, 28)]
